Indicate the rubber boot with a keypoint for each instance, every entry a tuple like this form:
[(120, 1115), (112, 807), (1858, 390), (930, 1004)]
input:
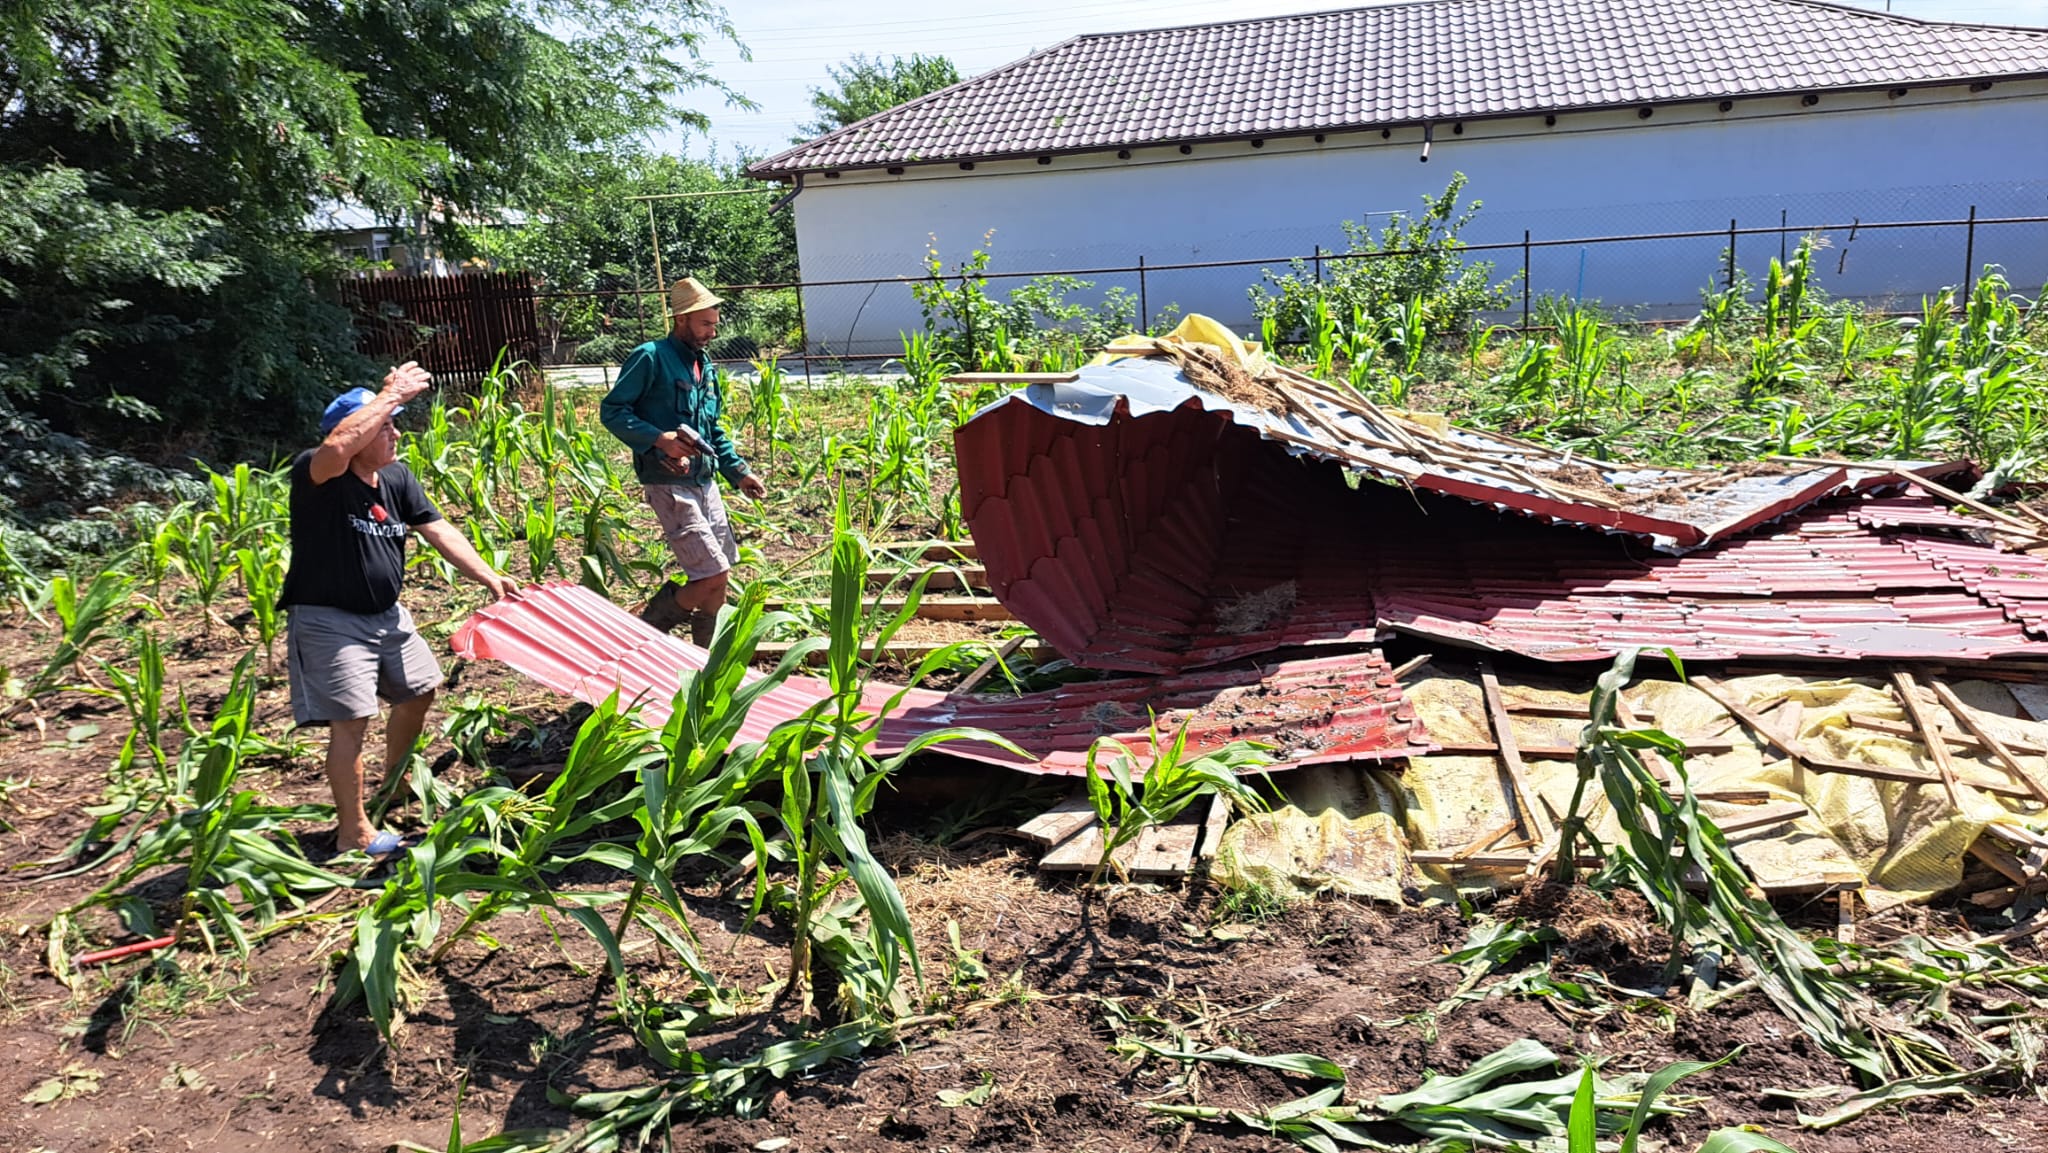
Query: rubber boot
[(703, 626), (662, 613)]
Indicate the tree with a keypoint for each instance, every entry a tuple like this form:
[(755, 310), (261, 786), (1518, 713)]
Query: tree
[(595, 239), (870, 86), (158, 160)]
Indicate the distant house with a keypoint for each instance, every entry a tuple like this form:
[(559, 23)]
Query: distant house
[(1572, 118), (377, 246)]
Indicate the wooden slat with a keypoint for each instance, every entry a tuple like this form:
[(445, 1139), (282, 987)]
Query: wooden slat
[(1569, 752), (981, 672), (1535, 823), (1961, 740), (907, 651), (1213, 824), (1930, 737), (928, 608), (1747, 718), (1763, 818), (931, 550), (1165, 850), (1061, 821), (1964, 717), (936, 579), (1013, 378)]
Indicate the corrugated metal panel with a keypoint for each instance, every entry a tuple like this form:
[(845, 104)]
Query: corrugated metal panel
[(1340, 708), (1241, 546)]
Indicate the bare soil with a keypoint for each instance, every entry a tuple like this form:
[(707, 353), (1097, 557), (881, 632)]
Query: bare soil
[(187, 1050)]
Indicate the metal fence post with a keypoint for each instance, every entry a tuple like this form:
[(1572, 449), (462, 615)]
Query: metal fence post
[(1969, 257), (1525, 280), (803, 328), (1319, 264), (1731, 254), (967, 321), (1782, 217), (1144, 309)]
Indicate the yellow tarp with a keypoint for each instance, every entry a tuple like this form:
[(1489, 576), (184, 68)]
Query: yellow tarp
[(1193, 329), (1901, 840)]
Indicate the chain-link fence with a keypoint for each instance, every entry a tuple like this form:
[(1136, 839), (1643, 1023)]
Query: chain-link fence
[(827, 322)]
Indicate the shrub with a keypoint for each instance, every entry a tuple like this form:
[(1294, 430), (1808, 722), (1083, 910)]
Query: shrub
[(1361, 279), (604, 350)]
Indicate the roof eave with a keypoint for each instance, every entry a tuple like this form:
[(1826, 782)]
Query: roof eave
[(762, 171)]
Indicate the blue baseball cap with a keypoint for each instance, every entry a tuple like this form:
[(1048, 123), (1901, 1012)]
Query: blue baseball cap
[(348, 402)]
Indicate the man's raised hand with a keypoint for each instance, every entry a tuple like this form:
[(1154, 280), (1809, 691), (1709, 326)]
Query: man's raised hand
[(406, 381)]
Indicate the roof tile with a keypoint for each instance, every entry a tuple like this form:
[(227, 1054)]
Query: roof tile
[(1405, 63)]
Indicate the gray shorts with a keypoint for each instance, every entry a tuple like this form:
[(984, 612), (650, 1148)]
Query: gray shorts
[(340, 662), (693, 522)]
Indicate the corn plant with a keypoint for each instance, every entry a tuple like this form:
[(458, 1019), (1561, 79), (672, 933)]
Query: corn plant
[(769, 410), (830, 776), (83, 621), (1322, 338), (226, 838), (262, 565), (522, 841), (201, 555), (1170, 782), (1666, 840)]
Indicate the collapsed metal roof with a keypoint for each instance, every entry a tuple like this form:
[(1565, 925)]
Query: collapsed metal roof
[(1346, 707), (1140, 523)]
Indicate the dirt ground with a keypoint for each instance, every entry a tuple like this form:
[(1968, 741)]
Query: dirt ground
[(190, 1051)]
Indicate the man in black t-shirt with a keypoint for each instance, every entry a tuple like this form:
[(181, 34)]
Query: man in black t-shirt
[(349, 640)]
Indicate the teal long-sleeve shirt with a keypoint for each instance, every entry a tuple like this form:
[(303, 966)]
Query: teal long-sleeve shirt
[(665, 383)]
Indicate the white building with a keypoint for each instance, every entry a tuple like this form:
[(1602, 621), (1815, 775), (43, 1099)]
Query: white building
[(1572, 118)]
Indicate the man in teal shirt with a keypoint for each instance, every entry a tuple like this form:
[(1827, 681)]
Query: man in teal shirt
[(667, 407)]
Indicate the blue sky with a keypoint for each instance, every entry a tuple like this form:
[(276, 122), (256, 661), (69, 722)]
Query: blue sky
[(794, 41)]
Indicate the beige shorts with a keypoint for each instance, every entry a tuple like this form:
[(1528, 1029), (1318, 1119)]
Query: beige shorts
[(693, 522), (340, 662)]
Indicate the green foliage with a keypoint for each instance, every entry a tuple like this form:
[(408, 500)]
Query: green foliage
[(1409, 260), (1127, 802), (157, 162), (864, 87), (593, 238)]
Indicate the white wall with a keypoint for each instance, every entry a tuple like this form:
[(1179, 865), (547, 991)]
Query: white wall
[(1931, 154)]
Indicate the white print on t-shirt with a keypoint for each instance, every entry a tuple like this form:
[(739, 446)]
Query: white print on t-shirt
[(372, 528)]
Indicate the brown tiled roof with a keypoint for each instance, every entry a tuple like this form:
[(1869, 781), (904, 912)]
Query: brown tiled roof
[(1409, 63)]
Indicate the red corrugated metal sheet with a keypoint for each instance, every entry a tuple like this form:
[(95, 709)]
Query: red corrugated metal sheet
[(1230, 546), (1340, 708)]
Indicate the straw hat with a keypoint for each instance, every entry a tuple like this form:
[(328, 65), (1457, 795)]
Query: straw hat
[(689, 295)]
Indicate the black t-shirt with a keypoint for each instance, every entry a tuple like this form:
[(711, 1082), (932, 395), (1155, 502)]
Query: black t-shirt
[(348, 539)]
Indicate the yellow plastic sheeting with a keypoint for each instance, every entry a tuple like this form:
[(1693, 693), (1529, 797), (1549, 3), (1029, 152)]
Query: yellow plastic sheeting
[(1193, 329), (1297, 855), (1902, 837)]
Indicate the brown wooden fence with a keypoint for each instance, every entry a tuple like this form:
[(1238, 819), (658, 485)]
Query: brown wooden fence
[(455, 326)]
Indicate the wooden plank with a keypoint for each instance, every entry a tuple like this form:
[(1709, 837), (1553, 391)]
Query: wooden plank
[(1535, 823), (1763, 818), (1012, 378), (1080, 852), (1410, 665), (1568, 752), (1791, 748), (1061, 821), (1521, 860), (968, 608), (2001, 861), (1214, 821), (982, 671), (1930, 737), (1968, 719), (1962, 740), (1845, 917), (1544, 709), (1165, 850), (936, 578), (906, 651), (933, 550)]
